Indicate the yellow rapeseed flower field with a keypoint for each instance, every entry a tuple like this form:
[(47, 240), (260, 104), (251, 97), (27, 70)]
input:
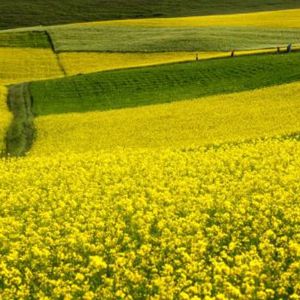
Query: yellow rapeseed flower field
[(268, 19), (88, 62), (22, 65), (198, 223), (5, 117), (221, 118)]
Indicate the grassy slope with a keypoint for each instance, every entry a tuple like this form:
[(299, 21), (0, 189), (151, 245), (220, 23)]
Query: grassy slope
[(152, 85), (158, 39), (252, 114), (21, 13), (34, 39)]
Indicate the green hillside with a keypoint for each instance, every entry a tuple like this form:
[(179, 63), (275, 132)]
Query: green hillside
[(151, 39), (161, 84), (21, 13)]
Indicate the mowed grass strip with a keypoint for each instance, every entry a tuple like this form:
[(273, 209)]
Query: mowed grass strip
[(252, 114), (27, 64), (169, 39), (21, 13), (21, 132), (161, 84), (27, 39)]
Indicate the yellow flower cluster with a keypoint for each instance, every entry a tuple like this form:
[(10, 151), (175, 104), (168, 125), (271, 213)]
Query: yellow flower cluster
[(269, 19), (22, 65), (199, 223), (264, 112), (5, 117)]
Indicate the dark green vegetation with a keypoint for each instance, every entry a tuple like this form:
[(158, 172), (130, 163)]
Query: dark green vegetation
[(30, 39), (21, 132), (21, 13), (161, 84), (159, 39)]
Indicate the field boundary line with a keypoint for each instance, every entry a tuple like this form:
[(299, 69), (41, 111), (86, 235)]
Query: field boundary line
[(52, 46)]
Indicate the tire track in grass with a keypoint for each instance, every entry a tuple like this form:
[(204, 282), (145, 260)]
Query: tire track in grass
[(21, 132)]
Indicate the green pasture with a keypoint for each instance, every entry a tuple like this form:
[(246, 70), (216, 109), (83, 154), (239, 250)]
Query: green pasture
[(160, 39), (162, 84)]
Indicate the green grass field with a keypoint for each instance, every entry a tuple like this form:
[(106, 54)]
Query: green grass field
[(151, 39), (161, 84), (159, 39), (27, 39), (21, 13)]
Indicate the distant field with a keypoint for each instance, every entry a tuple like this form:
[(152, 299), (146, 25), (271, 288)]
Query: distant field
[(268, 19), (5, 117), (222, 118), (21, 65), (159, 39), (29, 39), (202, 33), (21, 13), (161, 84)]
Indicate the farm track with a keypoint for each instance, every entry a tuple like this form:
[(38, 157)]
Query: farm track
[(21, 133)]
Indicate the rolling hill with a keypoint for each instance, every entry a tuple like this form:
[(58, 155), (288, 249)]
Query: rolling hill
[(22, 13)]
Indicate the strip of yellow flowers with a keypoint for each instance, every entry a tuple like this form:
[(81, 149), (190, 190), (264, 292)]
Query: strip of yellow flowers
[(5, 117), (220, 118), (200, 223), (269, 19), (26, 64), (87, 62)]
